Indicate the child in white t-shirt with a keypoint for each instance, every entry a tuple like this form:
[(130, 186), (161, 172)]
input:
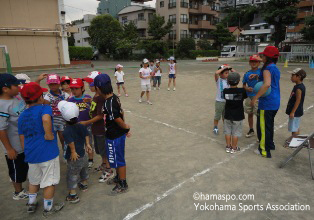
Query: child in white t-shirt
[(119, 75), (172, 73), (145, 74)]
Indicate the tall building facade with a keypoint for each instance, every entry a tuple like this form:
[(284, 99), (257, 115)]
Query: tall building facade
[(236, 3), (190, 18), (82, 37)]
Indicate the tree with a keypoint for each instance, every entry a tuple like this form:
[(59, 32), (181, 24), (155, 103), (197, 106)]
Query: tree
[(239, 16), (105, 33), (280, 13), (71, 40), (308, 30), (221, 36), (184, 47), (128, 41), (157, 27), (130, 32), (204, 44)]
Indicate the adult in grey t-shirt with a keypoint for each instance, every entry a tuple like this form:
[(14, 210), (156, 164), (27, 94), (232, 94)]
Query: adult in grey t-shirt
[(10, 111)]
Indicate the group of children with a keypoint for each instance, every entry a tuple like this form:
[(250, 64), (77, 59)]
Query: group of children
[(30, 122), (229, 102)]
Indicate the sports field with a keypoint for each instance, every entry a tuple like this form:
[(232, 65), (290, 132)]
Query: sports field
[(173, 158)]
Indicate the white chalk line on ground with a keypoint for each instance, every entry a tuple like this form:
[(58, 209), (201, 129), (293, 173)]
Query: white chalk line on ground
[(192, 179)]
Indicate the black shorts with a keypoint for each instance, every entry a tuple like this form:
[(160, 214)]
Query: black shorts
[(18, 168), (120, 83)]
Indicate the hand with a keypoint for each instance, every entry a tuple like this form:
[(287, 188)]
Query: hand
[(249, 89), (89, 149), (87, 100), (253, 102), (128, 135), (85, 123), (74, 156), (42, 76), (291, 115), (49, 137), (12, 154), (127, 126)]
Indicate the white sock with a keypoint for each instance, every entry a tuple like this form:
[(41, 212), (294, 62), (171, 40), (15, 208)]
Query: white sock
[(48, 204), (32, 198)]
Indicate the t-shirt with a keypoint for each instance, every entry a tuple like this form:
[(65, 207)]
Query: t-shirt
[(221, 84), (75, 133), (151, 68), (158, 73), (172, 68), (36, 148), (113, 110), (119, 76), (234, 110), (10, 111), (251, 82), (96, 108), (145, 72), (84, 107), (272, 101), (293, 98), (54, 100)]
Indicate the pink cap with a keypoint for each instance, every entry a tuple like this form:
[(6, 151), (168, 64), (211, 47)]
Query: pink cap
[(53, 78), (118, 66)]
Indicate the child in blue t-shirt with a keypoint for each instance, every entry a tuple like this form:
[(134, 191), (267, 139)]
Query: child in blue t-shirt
[(248, 85), (39, 141)]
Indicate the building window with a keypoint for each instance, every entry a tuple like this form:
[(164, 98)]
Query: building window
[(172, 18), (86, 39), (172, 4), (124, 20), (150, 16), (184, 4), (184, 18), (141, 17), (85, 28), (162, 4), (172, 35), (183, 34), (78, 41)]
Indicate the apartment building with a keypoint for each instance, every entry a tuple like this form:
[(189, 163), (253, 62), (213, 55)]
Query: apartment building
[(236, 3), (140, 15), (190, 18), (82, 37)]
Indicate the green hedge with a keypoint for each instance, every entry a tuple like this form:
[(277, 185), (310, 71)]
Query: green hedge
[(204, 53), (80, 53)]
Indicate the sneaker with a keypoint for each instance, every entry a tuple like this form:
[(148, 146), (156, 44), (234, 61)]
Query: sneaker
[(72, 198), (158, 88), (126, 95), (82, 187), (106, 176), (56, 208), (31, 208), (149, 103), (100, 168), (121, 187), (21, 195), (228, 149), (90, 164), (250, 134), (119, 95), (174, 89), (233, 151), (140, 100), (113, 181), (168, 89), (256, 151), (155, 88), (216, 131)]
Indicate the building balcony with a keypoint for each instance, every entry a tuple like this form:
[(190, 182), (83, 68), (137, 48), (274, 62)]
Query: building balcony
[(202, 25), (305, 4), (297, 28), (303, 14), (142, 24), (203, 9)]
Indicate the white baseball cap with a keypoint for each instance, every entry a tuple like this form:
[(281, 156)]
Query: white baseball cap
[(23, 76), (91, 76), (145, 61), (171, 58), (68, 110)]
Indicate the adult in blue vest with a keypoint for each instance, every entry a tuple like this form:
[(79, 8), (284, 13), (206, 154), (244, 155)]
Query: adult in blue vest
[(267, 106)]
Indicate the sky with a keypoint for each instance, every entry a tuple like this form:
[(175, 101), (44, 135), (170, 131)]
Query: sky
[(75, 9)]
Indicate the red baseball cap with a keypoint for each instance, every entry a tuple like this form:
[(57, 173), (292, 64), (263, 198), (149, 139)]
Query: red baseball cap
[(32, 91), (76, 83), (271, 51), (255, 57), (65, 78)]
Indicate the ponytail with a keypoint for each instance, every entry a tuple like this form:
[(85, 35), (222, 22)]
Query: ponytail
[(269, 60)]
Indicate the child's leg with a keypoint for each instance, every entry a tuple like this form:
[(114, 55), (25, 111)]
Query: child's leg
[(147, 95), (123, 87), (169, 83), (122, 172), (49, 192), (118, 85), (234, 143), (159, 81), (228, 140), (142, 93), (251, 120), (216, 123), (61, 138), (174, 82)]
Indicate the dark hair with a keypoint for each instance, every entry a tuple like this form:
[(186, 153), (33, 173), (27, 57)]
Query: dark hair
[(66, 81), (115, 70), (106, 89), (29, 102), (72, 121), (269, 60), (141, 65), (152, 61), (233, 83), (1, 91)]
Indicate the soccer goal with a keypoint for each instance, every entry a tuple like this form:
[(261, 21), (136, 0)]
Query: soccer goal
[(5, 64)]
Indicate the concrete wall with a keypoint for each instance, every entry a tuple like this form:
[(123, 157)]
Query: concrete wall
[(32, 32)]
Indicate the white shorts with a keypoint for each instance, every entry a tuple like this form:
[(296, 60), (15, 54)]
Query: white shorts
[(146, 87), (44, 174)]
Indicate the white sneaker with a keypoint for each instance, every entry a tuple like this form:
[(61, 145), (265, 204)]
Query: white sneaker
[(140, 100), (90, 164), (256, 151), (216, 131), (149, 103), (158, 88), (155, 88), (233, 151), (119, 95), (105, 177), (174, 89), (228, 149), (168, 89), (21, 195)]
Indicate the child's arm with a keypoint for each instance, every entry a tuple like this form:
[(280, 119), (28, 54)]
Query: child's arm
[(47, 123), (121, 123), (88, 147), (93, 120), (264, 87), (217, 73), (74, 156), (297, 103), (11, 152), (249, 89), (160, 69), (22, 140), (41, 77), (175, 69)]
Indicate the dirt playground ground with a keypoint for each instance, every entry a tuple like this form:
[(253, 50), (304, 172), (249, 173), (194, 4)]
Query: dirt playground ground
[(177, 168)]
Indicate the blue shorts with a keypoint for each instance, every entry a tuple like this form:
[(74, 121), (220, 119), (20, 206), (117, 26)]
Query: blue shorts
[(115, 151), (172, 76), (294, 124)]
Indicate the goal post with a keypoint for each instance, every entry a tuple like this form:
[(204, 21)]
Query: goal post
[(5, 63)]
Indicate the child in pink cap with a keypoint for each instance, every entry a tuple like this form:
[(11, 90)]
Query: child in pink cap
[(52, 98), (119, 75)]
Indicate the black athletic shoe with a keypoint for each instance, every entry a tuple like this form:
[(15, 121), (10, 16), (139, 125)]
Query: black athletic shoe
[(121, 187), (113, 181)]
